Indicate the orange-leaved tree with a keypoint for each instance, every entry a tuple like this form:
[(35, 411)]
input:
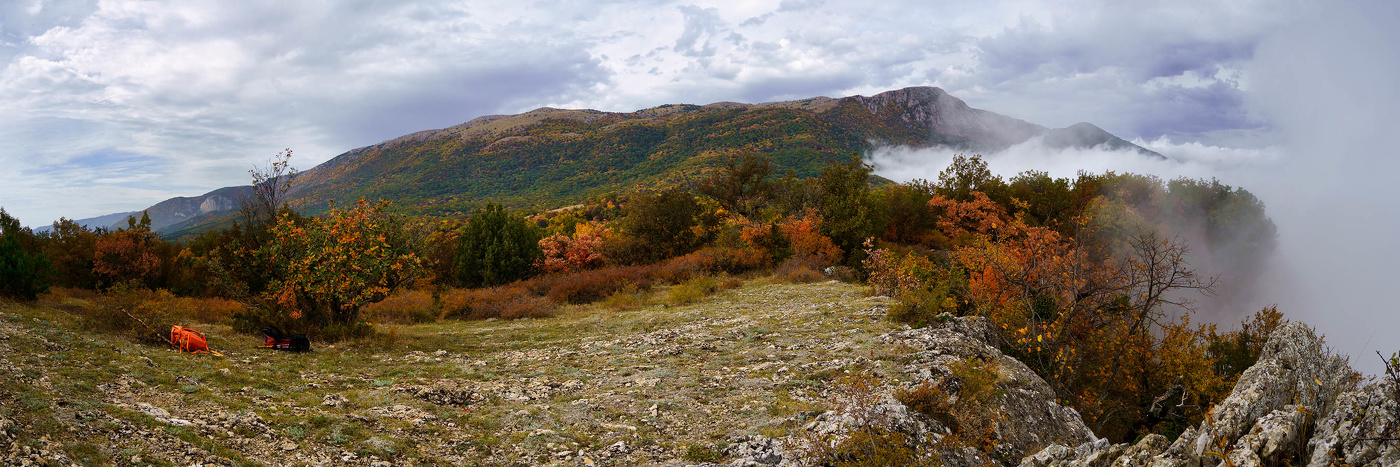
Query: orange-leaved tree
[(1089, 312), (331, 267), (806, 240), (581, 251), (128, 255)]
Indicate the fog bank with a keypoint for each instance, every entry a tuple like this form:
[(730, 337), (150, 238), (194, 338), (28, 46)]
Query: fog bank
[(1328, 173)]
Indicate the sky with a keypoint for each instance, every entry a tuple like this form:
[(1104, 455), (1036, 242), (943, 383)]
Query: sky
[(114, 105)]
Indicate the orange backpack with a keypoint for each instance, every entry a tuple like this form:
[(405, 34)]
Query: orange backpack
[(189, 340)]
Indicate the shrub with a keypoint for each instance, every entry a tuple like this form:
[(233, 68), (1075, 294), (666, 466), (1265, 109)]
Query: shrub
[(129, 255), (742, 184), (806, 240), (504, 302), (208, 310), (711, 260), (131, 309), (331, 267), (694, 289), (892, 273), (72, 247), (871, 439), (627, 298), (582, 251), (591, 286), (1237, 350), (496, 248), (24, 273), (662, 224), (931, 400), (701, 454), (407, 307), (798, 270), (849, 211)]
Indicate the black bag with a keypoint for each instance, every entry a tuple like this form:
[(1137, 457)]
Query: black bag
[(277, 340)]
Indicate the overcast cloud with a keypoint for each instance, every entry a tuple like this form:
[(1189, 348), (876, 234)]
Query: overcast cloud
[(113, 105)]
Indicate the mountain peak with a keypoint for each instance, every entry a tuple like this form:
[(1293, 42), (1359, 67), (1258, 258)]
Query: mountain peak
[(549, 157)]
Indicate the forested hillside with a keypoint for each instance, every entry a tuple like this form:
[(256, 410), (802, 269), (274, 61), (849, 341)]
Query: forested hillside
[(547, 158)]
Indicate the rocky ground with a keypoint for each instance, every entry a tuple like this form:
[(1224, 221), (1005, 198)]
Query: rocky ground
[(590, 387), (759, 375)]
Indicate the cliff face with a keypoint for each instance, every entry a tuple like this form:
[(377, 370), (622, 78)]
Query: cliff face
[(950, 119), (1297, 405)]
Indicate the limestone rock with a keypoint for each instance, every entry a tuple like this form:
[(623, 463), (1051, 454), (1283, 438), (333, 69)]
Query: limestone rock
[(1355, 430), (1259, 423), (1026, 416)]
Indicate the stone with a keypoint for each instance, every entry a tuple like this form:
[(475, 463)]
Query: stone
[(334, 400)]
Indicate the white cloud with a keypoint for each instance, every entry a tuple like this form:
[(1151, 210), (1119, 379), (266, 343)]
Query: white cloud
[(211, 88)]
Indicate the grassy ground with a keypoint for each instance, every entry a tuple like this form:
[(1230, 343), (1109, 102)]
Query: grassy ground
[(592, 386)]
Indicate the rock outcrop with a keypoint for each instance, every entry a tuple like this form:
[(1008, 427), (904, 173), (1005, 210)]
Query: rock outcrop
[(1016, 417), (1296, 405)]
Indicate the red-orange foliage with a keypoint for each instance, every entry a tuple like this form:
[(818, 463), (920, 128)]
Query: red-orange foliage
[(806, 240), (961, 219), (127, 255), (583, 250), (591, 286), (1083, 323)]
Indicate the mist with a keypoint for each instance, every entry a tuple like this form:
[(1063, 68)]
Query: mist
[(1327, 173), (1245, 280)]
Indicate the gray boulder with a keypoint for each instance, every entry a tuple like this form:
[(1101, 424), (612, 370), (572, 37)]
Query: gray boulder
[(1263, 420)]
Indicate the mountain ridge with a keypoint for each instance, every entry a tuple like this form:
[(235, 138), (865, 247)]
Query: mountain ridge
[(548, 156)]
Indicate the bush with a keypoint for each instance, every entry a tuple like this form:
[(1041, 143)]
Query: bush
[(128, 256), (806, 240), (71, 247), (872, 440), (701, 454), (892, 273), (504, 302), (712, 260), (147, 315), (407, 307), (497, 248), (694, 289), (329, 268), (583, 250), (931, 400), (24, 273), (627, 298), (799, 270), (592, 286), (662, 225)]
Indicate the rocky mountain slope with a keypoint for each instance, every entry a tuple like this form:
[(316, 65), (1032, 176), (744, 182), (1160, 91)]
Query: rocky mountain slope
[(1297, 405), (551, 157), (765, 374), (184, 211)]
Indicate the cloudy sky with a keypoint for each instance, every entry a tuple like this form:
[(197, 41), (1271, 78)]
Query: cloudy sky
[(113, 105)]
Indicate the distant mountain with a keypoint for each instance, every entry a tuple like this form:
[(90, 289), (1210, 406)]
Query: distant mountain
[(1086, 135), (549, 157), (180, 210), (106, 221)]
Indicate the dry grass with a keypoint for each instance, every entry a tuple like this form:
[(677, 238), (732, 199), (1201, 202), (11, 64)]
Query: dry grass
[(405, 307), (797, 270), (692, 386), (504, 302)]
